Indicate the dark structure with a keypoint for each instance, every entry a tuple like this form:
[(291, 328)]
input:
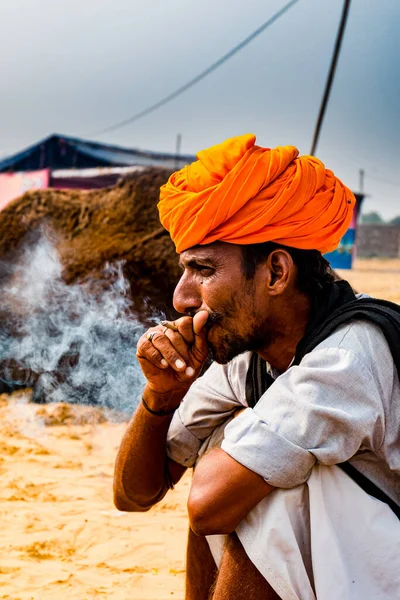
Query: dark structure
[(63, 152)]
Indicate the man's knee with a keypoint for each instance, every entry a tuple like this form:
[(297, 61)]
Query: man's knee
[(238, 578)]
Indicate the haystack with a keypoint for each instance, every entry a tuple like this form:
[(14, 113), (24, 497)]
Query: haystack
[(91, 228)]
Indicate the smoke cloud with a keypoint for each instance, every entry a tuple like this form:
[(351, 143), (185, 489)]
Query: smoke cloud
[(78, 344)]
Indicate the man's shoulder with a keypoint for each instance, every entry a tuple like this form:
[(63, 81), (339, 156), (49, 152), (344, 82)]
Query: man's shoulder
[(365, 342), (355, 335)]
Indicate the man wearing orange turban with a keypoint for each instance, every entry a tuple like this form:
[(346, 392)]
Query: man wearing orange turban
[(297, 417)]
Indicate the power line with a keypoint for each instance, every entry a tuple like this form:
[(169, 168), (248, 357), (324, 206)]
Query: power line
[(384, 180), (201, 75), (331, 75)]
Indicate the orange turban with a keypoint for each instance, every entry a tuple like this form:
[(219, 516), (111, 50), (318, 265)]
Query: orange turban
[(240, 193)]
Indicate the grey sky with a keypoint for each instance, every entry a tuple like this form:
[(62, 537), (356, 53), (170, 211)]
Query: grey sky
[(77, 66)]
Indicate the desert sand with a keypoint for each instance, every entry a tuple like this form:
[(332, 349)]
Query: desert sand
[(61, 537)]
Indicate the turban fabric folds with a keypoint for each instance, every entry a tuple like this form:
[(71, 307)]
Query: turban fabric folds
[(240, 193)]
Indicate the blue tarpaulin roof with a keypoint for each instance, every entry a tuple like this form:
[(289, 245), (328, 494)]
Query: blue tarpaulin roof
[(63, 152)]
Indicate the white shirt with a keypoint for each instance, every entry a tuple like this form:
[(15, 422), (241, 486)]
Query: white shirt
[(320, 536), (342, 402)]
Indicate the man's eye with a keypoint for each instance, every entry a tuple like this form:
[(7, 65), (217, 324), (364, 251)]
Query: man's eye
[(204, 271)]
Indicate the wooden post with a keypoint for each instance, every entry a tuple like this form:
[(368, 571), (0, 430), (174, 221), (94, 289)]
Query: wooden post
[(178, 149)]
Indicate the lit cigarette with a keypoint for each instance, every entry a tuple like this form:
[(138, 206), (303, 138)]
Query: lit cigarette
[(169, 325)]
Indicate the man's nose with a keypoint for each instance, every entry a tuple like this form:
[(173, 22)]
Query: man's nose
[(187, 297)]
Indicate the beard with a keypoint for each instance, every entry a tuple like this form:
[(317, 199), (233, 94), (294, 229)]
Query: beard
[(231, 342), (239, 327)]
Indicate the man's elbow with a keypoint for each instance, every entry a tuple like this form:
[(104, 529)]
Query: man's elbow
[(126, 504), (205, 520)]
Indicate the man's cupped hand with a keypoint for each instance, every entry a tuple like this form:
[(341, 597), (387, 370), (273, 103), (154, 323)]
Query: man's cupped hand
[(172, 360)]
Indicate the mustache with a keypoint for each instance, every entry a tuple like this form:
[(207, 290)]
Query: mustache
[(213, 319)]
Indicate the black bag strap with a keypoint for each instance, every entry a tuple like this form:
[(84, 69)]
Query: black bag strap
[(380, 312), (258, 380), (369, 487)]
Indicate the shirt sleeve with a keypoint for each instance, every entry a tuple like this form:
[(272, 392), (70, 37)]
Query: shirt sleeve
[(209, 403), (324, 410)]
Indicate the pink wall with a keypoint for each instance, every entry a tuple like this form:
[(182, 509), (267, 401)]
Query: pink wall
[(13, 185)]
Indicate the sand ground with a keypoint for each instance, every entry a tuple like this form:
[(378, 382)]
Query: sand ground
[(61, 537)]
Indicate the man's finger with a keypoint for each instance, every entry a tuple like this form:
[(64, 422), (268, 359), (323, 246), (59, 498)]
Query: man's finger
[(185, 328), (169, 353), (200, 333), (179, 343), (147, 351), (199, 320)]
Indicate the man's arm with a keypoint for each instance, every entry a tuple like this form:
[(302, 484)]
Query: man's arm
[(223, 492), (143, 472), (171, 361), (323, 410)]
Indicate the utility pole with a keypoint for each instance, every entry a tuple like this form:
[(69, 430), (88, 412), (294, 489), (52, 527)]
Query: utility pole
[(331, 75), (361, 180), (178, 149)]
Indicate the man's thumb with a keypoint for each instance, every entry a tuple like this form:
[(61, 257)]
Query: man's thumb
[(199, 320)]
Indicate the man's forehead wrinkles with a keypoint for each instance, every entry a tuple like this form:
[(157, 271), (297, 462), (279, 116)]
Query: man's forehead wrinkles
[(197, 255)]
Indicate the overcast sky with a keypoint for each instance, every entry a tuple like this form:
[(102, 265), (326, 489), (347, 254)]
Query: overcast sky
[(77, 66)]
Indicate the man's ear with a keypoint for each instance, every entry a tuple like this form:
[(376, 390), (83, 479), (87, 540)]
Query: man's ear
[(282, 271)]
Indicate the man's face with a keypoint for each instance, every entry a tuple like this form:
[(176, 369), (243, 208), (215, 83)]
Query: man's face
[(213, 280)]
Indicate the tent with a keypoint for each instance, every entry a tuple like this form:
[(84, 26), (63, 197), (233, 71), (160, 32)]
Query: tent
[(63, 152), (343, 256), (64, 162)]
